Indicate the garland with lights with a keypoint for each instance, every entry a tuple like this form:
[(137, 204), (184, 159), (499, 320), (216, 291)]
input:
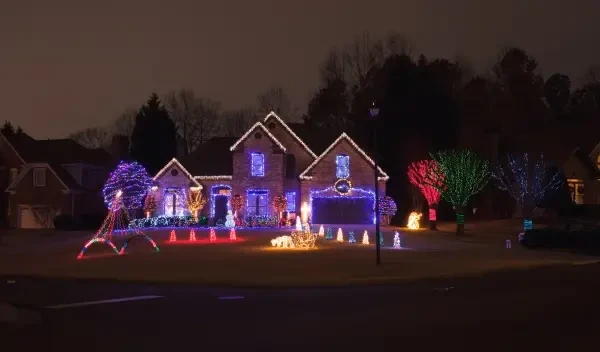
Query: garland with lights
[(142, 236), (279, 204), (426, 177), (132, 180), (527, 182), (195, 202), (464, 174), (168, 221)]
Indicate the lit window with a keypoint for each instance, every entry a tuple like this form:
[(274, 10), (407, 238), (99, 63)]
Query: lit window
[(576, 188), (257, 167), (39, 177), (291, 202), (342, 163), (257, 202)]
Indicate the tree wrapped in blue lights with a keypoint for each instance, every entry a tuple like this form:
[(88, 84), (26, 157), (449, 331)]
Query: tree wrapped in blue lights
[(132, 179), (527, 181), (329, 235), (464, 174)]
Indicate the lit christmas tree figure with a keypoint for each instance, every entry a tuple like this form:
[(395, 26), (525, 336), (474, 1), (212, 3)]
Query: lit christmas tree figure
[(229, 223), (298, 224), (397, 241), (232, 236), (321, 231), (192, 235), (329, 235), (340, 235), (172, 236), (212, 236), (351, 238), (365, 239), (381, 239)]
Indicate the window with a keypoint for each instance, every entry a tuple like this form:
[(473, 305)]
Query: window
[(39, 177), (576, 188), (13, 175), (257, 164), (291, 202), (257, 202), (342, 164)]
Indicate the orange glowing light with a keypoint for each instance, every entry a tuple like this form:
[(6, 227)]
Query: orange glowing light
[(413, 220)]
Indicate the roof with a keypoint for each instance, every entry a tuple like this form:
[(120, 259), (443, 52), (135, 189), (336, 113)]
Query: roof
[(211, 158), (258, 125), (176, 163), (317, 139), (273, 115)]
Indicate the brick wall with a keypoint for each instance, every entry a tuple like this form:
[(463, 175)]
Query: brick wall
[(303, 158), (274, 168), (167, 180)]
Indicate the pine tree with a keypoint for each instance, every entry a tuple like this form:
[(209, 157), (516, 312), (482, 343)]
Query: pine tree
[(365, 239), (397, 240), (329, 235), (340, 235), (351, 238), (172, 236)]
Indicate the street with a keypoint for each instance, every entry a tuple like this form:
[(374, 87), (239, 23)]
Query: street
[(550, 309)]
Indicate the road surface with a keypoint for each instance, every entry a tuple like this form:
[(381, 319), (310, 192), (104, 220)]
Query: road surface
[(550, 309)]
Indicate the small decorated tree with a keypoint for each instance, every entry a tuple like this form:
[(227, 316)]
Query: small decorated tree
[(340, 235), (149, 205), (279, 205), (351, 237), (463, 174), (365, 239), (237, 203), (329, 235), (528, 182), (397, 240), (426, 177), (132, 180), (195, 202), (387, 209)]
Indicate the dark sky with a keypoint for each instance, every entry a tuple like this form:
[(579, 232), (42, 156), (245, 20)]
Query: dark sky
[(67, 64)]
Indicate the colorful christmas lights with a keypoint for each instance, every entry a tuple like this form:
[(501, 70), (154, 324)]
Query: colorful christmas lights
[(397, 241), (279, 204), (351, 238), (132, 180), (321, 231), (214, 178), (149, 205), (355, 193), (232, 235), (274, 115), (304, 239), (432, 214), (167, 221), (97, 240), (257, 164), (192, 235), (237, 203), (139, 235), (426, 176), (365, 239), (340, 235), (413, 220), (329, 235), (172, 236), (177, 164), (212, 237), (195, 202), (342, 166), (387, 208), (283, 242), (298, 224)]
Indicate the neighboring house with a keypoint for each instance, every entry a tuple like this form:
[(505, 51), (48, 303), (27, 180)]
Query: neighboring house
[(45, 178), (333, 176)]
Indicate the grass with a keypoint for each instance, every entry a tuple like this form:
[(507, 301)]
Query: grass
[(253, 262)]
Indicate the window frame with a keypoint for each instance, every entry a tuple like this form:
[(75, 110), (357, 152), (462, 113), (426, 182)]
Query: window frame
[(256, 207), (576, 197), (36, 177), (339, 167), (252, 164), (291, 206)]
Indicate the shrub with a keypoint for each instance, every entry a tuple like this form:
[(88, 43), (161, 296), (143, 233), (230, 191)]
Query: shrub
[(587, 241), (261, 221), (64, 222), (168, 221)]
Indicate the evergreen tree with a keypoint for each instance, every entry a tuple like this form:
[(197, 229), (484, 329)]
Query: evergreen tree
[(154, 139)]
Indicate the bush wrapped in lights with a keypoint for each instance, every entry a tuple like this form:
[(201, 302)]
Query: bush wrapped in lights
[(261, 221), (304, 239), (387, 209), (167, 221), (132, 180)]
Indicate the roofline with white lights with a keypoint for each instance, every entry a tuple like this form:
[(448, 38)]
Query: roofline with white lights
[(287, 128), (175, 162), (255, 126)]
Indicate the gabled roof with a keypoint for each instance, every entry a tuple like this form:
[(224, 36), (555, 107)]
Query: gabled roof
[(258, 125), (60, 178), (176, 163), (272, 114), (383, 176)]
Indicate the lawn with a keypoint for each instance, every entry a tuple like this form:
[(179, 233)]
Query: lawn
[(252, 261)]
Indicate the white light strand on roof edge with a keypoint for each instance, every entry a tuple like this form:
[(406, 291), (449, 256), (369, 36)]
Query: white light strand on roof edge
[(256, 125), (178, 164), (273, 114)]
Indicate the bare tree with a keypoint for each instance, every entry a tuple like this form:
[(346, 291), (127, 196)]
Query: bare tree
[(194, 117), (93, 137), (274, 99), (124, 124), (235, 123)]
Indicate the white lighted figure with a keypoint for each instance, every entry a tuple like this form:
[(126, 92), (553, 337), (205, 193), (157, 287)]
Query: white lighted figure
[(397, 240), (365, 239), (229, 223), (305, 209), (298, 224), (321, 231), (340, 235), (413, 220), (119, 193), (283, 242)]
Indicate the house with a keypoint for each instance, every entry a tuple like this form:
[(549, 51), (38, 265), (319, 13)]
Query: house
[(45, 178), (330, 174)]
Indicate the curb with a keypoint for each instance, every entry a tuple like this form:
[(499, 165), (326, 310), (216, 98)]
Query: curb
[(18, 316)]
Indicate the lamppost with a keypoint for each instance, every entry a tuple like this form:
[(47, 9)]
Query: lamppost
[(374, 111)]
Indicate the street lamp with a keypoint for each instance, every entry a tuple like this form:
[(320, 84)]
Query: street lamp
[(374, 111)]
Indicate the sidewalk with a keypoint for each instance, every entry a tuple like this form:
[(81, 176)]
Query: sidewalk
[(18, 316)]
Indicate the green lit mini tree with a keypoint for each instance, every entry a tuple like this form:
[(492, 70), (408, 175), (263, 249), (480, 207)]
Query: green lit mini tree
[(464, 174)]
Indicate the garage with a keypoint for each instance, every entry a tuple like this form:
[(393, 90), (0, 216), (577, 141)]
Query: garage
[(339, 210), (27, 219)]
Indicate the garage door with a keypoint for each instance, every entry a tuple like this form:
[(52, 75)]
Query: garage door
[(342, 211), (27, 219)]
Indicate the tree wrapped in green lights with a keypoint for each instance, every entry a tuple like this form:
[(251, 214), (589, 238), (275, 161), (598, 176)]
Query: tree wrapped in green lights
[(464, 174), (527, 181)]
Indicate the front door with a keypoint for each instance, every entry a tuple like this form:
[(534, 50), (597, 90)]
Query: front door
[(220, 207)]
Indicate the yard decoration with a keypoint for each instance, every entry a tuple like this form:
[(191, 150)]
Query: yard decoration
[(298, 224), (397, 240), (426, 177), (172, 236), (149, 205), (195, 202), (321, 231), (237, 203), (192, 235), (381, 239), (139, 235), (329, 235), (387, 209), (527, 181), (212, 237), (232, 236), (279, 205), (283, 242), (229, 223), (413, 220), (132, 180), (365, 239), (351, 238), (304, 239), (463, 174), (340, 235)]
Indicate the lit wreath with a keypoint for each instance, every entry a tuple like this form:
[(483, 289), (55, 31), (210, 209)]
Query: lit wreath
[(335, 186)]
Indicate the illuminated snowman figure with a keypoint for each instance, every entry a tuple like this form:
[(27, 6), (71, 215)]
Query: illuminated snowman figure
[(229, 223)]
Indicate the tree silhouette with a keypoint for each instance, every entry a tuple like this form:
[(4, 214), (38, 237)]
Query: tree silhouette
[(153, 139)]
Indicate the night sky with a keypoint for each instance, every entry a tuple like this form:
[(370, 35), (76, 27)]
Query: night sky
[(69, 64)]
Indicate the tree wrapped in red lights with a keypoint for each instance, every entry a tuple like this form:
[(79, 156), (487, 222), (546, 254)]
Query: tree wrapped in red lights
[(149, 205), (279, 204), (237, 203), (426, 177), (387, 208)]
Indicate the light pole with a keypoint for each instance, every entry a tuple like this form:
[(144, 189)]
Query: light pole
[(374, 111)]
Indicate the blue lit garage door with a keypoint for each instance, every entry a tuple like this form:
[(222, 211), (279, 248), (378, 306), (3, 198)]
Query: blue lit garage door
[(342, 211)]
